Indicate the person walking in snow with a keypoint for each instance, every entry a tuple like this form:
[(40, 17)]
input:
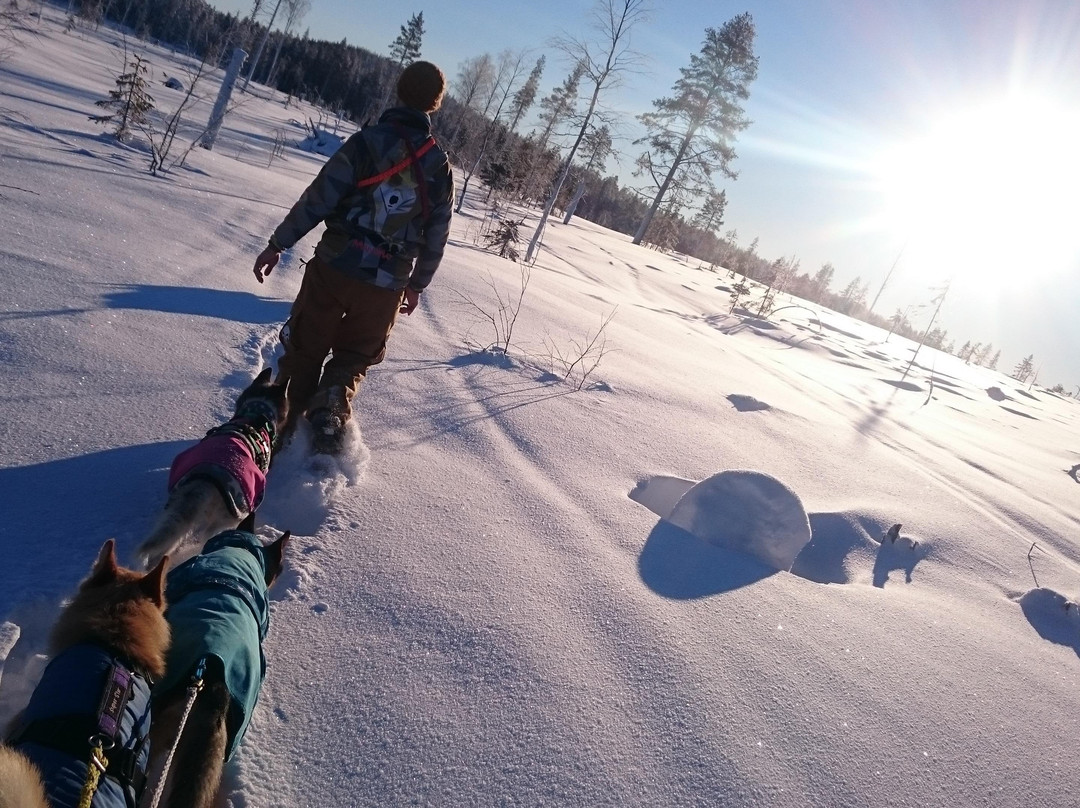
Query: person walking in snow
[(386, 197)]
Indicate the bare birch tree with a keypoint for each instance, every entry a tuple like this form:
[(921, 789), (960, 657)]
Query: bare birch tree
[(511, 68), (474, 81), (606, 59), (295, 10), (259, 48)]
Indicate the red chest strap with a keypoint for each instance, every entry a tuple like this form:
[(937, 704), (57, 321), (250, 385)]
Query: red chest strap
[(397, 168)]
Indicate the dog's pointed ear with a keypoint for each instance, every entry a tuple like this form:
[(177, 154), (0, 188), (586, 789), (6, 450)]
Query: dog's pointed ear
[(105, 567), (275, 554), (264, 377), (248, 525), (153, 583)]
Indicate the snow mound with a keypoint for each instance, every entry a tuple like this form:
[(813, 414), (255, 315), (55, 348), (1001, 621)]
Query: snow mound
[(661, 493), (1055, 617), (321, 142), (746, 511)]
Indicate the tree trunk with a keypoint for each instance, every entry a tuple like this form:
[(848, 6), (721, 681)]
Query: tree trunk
[(259, 49), (277, 53), (675, 164), (530, 254), (580, 192)]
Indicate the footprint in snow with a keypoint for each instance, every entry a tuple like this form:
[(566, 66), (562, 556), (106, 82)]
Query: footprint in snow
[(302, 485)]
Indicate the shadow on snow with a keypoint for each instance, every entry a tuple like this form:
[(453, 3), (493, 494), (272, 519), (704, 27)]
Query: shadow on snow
[(241, 307)]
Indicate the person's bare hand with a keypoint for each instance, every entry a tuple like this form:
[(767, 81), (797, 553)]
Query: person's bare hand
[(409, 301), (265, 263)]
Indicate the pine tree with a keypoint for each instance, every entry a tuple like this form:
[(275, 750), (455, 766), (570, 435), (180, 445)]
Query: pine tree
[(711, 215), (406, 48), (993, 363), (897, 321), (595, 149), (851, 292), (822, 278), (1022, 372), (691, 133), (526, 95), (935, 338), (709, 218), (505, 238), (556, 107), (130, 102)]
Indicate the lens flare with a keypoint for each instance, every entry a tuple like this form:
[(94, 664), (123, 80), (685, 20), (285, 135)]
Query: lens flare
[(992, 191)]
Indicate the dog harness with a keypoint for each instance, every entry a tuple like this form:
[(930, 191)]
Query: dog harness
[(219, 610), (88, 699), (234, 456)]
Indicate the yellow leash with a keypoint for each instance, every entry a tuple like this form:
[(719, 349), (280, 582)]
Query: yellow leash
[(98, 764)]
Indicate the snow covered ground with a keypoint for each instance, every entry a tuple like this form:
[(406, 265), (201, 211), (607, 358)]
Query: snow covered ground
[(486, 602)]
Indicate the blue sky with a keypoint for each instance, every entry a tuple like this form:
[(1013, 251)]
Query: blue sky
[(840, 84)]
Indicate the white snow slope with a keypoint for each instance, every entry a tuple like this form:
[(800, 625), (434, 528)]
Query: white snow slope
[(485, 602)]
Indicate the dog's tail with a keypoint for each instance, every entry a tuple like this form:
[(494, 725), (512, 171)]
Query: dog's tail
[(195, 510), (20, 781)]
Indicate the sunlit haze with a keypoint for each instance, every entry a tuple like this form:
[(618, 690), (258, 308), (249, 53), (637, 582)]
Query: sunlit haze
[(990, 190)]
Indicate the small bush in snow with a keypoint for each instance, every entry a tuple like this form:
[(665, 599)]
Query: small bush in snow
[(505, 238), (130, 102)]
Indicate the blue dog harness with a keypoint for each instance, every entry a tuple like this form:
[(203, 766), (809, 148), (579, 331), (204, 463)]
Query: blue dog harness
[(87, 695)]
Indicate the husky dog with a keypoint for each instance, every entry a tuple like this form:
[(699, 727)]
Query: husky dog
[(219, 615), (93, 701), (218, 482)]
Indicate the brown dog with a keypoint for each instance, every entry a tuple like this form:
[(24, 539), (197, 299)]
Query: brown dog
[(215, 484), (107, 645), (219, 615)]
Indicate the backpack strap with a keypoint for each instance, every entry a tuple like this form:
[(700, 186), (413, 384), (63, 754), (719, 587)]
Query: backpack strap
[(415, 155), (397, 168)]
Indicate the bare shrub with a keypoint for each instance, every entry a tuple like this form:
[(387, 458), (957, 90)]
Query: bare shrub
[(504, 317), (575, 363)]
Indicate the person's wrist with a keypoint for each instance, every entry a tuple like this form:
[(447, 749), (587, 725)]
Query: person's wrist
[(272, 243)]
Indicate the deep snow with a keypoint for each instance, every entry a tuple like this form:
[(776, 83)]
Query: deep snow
[(486, 603)]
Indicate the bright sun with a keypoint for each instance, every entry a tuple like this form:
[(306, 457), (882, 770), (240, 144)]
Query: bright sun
[(989, 193)]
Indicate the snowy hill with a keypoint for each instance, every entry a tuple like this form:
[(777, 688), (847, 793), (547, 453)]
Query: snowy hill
[(486, 602)]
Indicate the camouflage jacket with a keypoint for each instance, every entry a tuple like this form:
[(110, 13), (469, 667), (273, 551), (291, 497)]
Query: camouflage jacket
[(391, 233)]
